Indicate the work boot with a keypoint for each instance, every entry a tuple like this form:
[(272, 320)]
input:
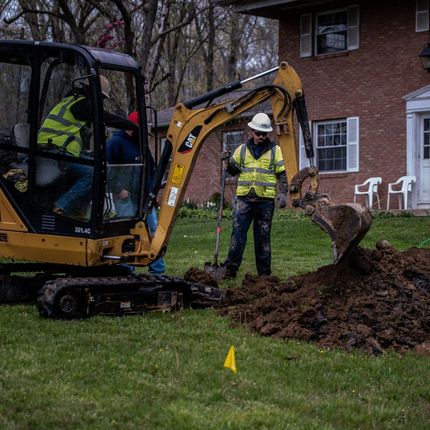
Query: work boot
[(265, 273)]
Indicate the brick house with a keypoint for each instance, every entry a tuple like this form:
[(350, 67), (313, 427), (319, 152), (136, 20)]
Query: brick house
[(367, 93)]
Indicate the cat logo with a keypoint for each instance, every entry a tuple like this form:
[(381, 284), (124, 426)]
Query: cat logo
[(188, 143)]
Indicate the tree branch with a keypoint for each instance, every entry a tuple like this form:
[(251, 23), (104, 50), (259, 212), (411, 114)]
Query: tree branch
[(35, 11)]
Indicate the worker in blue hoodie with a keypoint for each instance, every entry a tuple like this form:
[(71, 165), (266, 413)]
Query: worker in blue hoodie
[(123, 148)]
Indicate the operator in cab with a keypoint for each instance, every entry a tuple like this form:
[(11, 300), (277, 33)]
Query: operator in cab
[(124, 149), (64, 131), (260, 167)]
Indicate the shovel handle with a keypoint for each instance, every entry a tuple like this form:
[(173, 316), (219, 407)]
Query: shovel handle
[(220, 208)]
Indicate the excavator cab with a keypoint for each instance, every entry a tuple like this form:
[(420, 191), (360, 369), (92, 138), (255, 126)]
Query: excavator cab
[(34, 172)]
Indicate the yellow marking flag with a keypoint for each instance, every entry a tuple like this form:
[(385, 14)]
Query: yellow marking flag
[(230, 360)]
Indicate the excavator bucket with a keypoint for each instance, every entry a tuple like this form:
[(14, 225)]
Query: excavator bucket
[(345, 224)]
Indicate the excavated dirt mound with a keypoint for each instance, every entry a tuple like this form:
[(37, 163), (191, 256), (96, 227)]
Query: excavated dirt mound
[(377, 299), (193, 274)]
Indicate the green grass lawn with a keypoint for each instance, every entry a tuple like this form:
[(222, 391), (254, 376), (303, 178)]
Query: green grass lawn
[(165, 371)]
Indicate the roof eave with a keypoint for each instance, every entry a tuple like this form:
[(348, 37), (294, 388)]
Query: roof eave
[(268, 8)]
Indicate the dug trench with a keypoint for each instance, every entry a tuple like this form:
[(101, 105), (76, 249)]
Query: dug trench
[(377, 299)]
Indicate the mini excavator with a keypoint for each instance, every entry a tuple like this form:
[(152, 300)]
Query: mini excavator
[(80, 264)]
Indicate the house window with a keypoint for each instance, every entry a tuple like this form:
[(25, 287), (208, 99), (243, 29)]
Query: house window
[(422, 15), (331, 146), (232, 139), (333, 31), (336, 145), (426, 152)]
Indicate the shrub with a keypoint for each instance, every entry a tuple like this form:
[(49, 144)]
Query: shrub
[(215, 198)]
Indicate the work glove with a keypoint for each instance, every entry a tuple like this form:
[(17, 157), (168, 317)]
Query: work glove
[(225, 154), (282, 200)]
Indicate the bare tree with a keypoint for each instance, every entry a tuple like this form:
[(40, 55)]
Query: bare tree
[(179, 43), (77, 15)]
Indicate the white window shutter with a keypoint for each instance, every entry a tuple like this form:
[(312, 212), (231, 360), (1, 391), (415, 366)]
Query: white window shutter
[(303, 160), (353, 28), (306, 35), (422, 15), (352, 152)]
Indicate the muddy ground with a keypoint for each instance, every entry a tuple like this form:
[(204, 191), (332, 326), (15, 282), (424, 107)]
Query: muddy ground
[(376, 300)]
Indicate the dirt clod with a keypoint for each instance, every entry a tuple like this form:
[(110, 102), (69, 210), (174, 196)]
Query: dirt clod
[(193, 274), (376, 299)]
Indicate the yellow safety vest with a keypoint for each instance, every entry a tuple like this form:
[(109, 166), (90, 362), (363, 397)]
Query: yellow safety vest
[(61, 128), (260, 174)]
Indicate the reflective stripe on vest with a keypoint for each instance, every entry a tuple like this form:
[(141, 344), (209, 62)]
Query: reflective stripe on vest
[(61, 128), (257, 174)]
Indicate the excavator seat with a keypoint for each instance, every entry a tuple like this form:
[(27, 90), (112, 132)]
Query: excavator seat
[(47, 169), (20, 134)]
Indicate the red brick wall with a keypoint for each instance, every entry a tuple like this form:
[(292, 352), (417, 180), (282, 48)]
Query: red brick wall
[(369, 83)]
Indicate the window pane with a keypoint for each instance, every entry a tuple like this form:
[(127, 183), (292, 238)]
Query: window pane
[(14, 129), (232, 139), (426, 139), (123, 177), (331, 146), (65, 186), (62, 94), (123, 151), (66, 128), (332, 32)]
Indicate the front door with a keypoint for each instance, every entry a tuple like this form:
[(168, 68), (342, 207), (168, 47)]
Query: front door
[(423, 177)]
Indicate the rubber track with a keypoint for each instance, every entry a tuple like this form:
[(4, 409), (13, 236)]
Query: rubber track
[(195, 295)]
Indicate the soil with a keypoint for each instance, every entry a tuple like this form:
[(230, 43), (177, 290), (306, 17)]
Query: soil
[(375, 300)]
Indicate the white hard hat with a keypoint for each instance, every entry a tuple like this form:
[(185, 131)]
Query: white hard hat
[(261, 122)]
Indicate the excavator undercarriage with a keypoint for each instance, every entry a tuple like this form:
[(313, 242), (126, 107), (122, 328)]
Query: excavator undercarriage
[(64, 292)]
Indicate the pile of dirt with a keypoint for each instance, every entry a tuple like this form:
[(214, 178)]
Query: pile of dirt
[(193, 274), (376, 299)]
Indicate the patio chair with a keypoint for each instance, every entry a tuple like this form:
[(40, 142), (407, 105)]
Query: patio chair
[(368, 188), (405, 184)]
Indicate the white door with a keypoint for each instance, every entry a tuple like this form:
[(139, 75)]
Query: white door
[(423, 176)]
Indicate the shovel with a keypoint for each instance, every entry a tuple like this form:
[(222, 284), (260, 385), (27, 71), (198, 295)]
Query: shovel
[(216, 270)]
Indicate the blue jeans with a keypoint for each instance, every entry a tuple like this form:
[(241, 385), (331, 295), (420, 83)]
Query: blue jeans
[(245, 212), (78, 197), (126, 208)]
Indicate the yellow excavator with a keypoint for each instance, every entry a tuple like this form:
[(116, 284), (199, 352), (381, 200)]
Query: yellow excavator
[(81, 263)]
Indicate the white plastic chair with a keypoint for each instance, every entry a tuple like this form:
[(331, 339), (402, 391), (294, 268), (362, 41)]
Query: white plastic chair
[(369, 192), (404, 190)]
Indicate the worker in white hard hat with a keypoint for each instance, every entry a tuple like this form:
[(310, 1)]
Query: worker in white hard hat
[(260, 167), (65, 130)]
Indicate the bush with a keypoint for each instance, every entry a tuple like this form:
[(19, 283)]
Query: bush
[(206, 213), (388, 214), (216, 197), (189, 204)]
